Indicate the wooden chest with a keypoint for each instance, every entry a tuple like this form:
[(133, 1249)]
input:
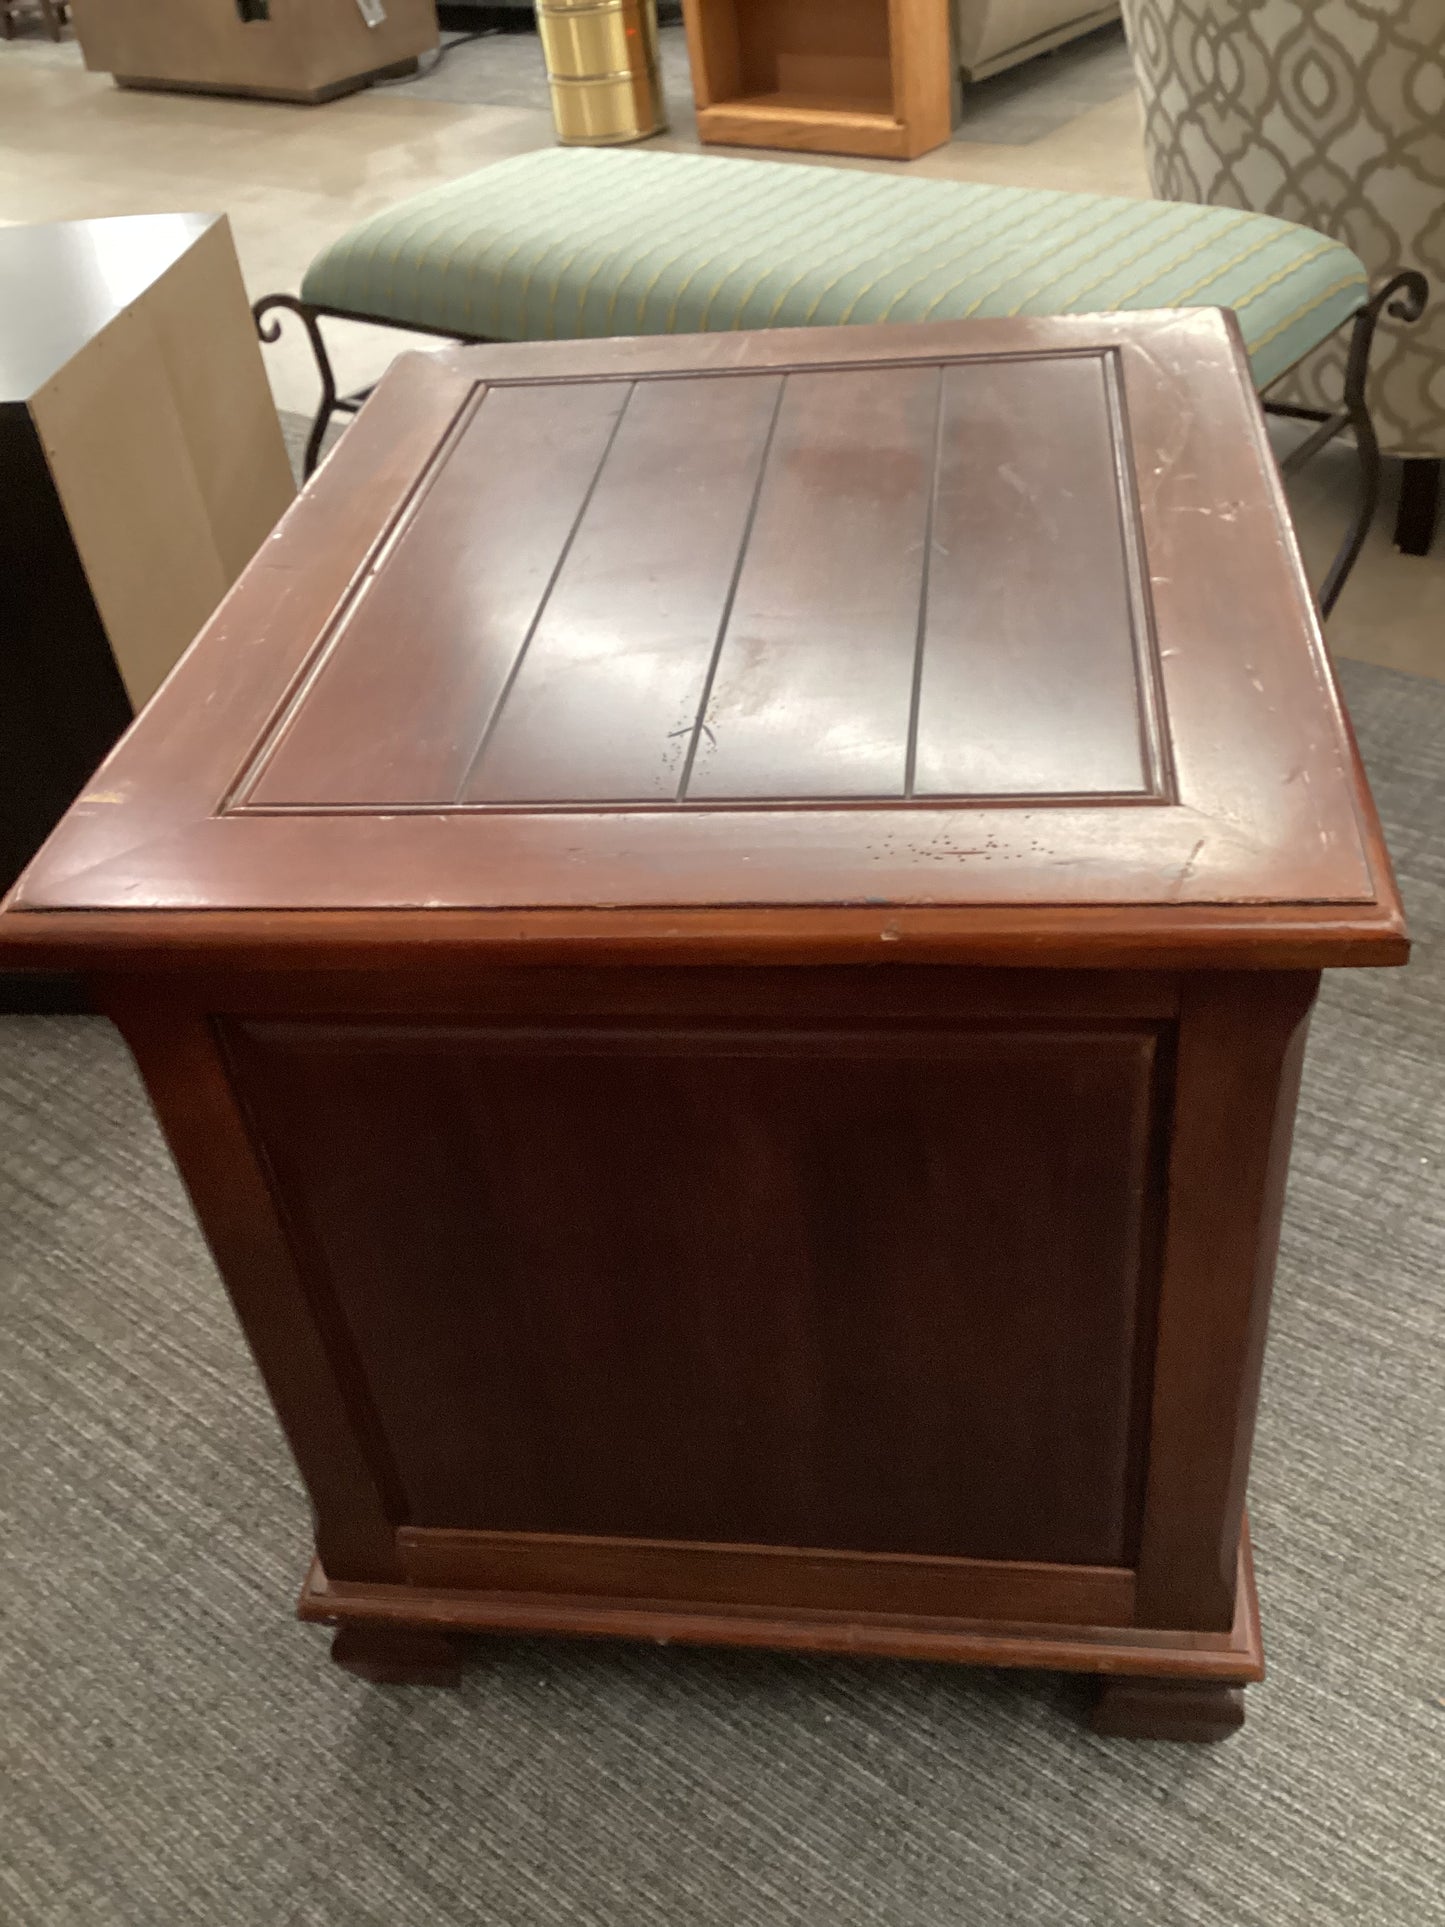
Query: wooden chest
[(722, 929)]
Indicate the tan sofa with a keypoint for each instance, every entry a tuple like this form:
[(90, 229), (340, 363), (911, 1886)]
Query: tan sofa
[(994, 34)]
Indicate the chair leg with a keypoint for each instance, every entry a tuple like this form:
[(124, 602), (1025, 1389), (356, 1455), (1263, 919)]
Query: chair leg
[(271, 331), (1419, 515), (1404, 297)]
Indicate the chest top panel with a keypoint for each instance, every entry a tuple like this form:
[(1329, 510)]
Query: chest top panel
[(1001, 615), (847, 584)]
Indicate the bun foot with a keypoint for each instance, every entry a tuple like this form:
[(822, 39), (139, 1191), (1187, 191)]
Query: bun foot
[(398, 1655), (1168, 1709)]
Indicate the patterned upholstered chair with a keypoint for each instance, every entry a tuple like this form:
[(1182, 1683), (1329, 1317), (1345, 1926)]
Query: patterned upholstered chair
[(1330, 113)]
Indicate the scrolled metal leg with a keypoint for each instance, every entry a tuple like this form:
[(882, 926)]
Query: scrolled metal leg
[(1403, 297), (271, 331)]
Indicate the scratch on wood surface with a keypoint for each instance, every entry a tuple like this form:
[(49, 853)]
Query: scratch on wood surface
[(1190, 866)]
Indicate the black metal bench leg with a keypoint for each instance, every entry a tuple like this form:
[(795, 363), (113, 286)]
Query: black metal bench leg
[(1404, 297), (271, 331), (1419, 515)]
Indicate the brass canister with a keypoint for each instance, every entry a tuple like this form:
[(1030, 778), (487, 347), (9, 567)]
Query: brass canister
[(603, 67)]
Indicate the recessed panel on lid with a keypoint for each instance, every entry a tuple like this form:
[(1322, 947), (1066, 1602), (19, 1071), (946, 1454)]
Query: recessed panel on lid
[(833, 585), (807, 641)]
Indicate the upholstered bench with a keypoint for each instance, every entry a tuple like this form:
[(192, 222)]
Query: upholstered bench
[(568, 243)]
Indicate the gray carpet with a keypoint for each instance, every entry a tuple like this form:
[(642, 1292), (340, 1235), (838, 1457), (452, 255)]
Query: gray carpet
[(175, 1749)]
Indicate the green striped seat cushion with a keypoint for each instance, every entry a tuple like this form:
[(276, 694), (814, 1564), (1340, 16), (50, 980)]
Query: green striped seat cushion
[(571, 242)]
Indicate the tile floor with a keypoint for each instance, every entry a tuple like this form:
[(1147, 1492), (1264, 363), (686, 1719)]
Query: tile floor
[(72, 145)]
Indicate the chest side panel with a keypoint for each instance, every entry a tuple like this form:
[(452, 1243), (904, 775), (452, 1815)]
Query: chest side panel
[(889, 1291)]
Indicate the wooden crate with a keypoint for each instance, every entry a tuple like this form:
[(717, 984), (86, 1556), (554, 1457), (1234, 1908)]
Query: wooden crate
[(823, 76)]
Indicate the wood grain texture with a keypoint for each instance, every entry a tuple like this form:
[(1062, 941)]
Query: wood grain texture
[(300, 1350), (714, 51), (793, 123), (1027, 458), (1235, 1658), (817, 1580), (921, 42), (823, 76), (1241, 1048), (1081, 937), (470, 991), (795, 47), (505, 503), (605, 704), (678, 1184), (812, 690), (848, 1288), (306, 777), (704, 591)]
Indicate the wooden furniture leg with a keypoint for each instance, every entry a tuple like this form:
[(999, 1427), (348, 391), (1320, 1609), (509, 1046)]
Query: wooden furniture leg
[(1168, 1709), (399, 1655)]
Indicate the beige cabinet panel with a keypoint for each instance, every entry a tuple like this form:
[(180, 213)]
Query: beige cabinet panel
[(166, 453), (291, 49), (144, 466)]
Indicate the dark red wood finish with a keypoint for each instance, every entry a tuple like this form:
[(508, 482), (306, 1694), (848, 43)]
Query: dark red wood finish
[(722, 930), (736, 1284), (332, 748), (1156, 1709), (1009, 1638)]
